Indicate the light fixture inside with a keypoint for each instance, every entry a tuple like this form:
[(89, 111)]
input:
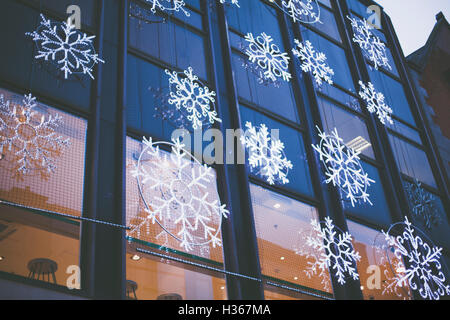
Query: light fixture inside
[(135, 258), (277, 206), (282, 258), (359, 144), (2, 258)]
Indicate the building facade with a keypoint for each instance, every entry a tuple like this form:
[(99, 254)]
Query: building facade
[(90, 211)]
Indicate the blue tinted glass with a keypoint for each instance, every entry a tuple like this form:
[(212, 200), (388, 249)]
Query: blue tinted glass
[(170, 43), (357, 7), (141, 102), (351, 128), (278, 100), (329, 26), (412, 161), (299, 176), (394, 94), (379, 213), (336, 58)]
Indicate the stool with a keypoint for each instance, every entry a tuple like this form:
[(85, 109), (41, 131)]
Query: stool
[(131, 287), (41, 267)]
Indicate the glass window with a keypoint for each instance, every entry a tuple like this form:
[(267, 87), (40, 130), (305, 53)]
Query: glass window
[(282, 226), (41, 167), (376, 265), (394, 94), (88, 8), (336, 58), (351, 128), (155, 277), (412, 161), (299, 177), (329, 26), (379, 212)]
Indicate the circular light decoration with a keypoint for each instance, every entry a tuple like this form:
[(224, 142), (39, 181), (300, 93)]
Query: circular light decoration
[(372, 47), (71, 50), (165, 111), (235, 2), (168, 5), (343, 167), (179, 194), (271, 61), (423, 266), (266, 154), (190, 96), (29, 137), (306, 11), (336, 252)]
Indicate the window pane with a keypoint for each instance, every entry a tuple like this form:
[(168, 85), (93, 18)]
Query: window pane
[(299, 177), (38, 246), (394, 94), (351, 128), (282, 225), (329, 26), (377, 213), (42, 165), (412, 161), (375, 262)]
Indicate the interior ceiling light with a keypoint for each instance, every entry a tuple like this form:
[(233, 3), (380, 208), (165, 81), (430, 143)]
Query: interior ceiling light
[(359, 144)]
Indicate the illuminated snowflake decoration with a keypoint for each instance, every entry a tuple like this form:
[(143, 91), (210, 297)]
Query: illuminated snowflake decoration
[(336, 252), (266, 154), (423, 204), (373, 48), (175, 188), (70, 49), (306, 11), (375, 102), (312, 255), (313, 62), (268, 57), (189, 94), (168, 6), (343, 167), (423, 272), (30, 136), (235, 2)]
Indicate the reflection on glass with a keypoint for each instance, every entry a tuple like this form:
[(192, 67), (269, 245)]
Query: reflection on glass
[(282, 227), (378, 266)]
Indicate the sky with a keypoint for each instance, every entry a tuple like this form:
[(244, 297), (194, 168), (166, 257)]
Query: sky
[(414, 20)]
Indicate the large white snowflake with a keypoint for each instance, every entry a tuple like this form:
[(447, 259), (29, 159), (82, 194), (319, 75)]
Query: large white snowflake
[(69, 48), (168, 5), (266, 154), (373, 48), (343, 167), (336, 252), (30, 136), (313, 62), (267, 55), (423, 270), (306, 11), (188, 93), (375, 102), (179, 194)]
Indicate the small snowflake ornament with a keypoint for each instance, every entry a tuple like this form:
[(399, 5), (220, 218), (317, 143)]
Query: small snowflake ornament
[(190, 95), (70, 49), (30, 136), (235, 2), (266, 154), (313, 62), (336, 252), (343, 167), (168, 6), (267, 55), (373, 48), (423, 204), (179, 194), (375, 102), (423, 266), (306, 11)]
